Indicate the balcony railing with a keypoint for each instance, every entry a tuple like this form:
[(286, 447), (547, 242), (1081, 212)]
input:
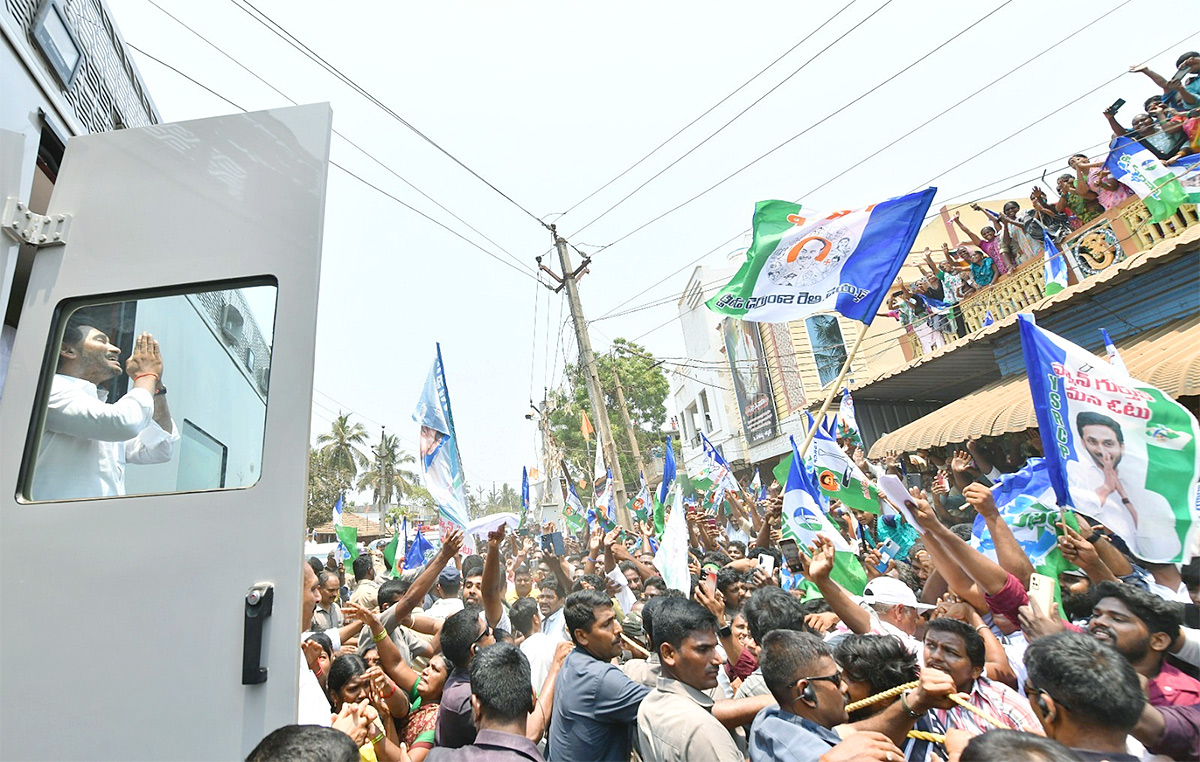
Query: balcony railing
[(1110, 238)]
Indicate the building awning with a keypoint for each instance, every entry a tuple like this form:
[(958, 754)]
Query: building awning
[(1167, 358)]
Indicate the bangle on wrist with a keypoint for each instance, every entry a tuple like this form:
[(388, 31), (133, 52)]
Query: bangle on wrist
[(390, 693), (143, 375), (908, 709), (379, 636), (378, 738)]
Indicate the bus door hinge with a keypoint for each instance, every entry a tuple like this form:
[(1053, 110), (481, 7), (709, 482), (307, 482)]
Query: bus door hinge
[(33, 228)]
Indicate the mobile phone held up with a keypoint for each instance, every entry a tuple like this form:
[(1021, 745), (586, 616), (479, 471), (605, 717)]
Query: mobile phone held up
[(887, 551), (1117, 104), (552, 542), (791, 555), (1041, 590)]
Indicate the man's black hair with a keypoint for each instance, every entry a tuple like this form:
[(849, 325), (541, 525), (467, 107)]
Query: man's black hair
[(597, 582), (362, 566), (579, 612), (880, 661), (324, 576), (784, 653), (648, 611), (551, 584), (905, 574), (317, 565), (718, 557), (1152, 99), (1190, 54), (390, 592), (305, 743), (972, 642), (815, 606), (459, 633), (1015, 746), (963, 531), (677, 618), (775, 553), (1160, 615), (500, 680), (727, 578), (773, 609), (323, 641), (343, 669), (1088, 418), (521, 614), (739, 545), (1094, 683), (521, 568), (472, 566), (625, 566), (78, 327), (658, 582)]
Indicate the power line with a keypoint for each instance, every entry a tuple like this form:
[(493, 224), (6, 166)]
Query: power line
[(812, 126), (737, 116), (1048, 115), (942, 113), (710, 109), (361, 150), (362, 180), (275, 28)]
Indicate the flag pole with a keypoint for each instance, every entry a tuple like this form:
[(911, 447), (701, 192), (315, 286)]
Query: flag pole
[(833, 389)]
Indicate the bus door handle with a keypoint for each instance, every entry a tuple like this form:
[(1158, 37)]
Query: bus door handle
[(259, 601)]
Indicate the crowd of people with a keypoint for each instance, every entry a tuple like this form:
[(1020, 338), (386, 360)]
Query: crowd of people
[(521, 653), (1169, 129)]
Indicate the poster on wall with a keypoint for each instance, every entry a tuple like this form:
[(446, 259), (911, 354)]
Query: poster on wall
[(751, 383)]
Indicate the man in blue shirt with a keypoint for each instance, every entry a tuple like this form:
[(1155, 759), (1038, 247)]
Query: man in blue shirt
[(803, 677), (595, 704)]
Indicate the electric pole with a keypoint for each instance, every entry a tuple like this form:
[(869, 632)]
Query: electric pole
[(637, 451), (591, 374)]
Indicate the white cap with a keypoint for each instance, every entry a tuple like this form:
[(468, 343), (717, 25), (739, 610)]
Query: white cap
[(892, 592)]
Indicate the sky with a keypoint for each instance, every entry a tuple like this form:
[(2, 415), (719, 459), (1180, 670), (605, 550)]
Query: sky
[(549, 101)]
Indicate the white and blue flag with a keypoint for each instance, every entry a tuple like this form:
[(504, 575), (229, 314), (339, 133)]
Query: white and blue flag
[(802, 262), (439, 456), (1056, 266)]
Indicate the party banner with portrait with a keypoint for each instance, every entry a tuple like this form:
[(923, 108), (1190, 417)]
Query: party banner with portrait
[(1118, 450)]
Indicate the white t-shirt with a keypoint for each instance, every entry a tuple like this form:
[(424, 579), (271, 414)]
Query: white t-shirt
[(539, 649)]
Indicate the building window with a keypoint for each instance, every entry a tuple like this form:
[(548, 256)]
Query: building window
[(828, 346), (705, 413)]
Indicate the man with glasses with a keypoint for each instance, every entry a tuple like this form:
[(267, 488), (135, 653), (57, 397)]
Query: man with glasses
[(1085, 695), (463, 635), (809, 722)]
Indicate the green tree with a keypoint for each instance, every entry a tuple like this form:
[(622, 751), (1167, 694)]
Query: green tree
[(386, 476), (324, 486), (342, 446), (646, 388)]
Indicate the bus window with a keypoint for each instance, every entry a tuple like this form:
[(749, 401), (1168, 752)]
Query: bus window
[(155, 395)]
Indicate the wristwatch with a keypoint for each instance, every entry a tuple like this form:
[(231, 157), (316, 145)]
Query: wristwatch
[(725, 631)]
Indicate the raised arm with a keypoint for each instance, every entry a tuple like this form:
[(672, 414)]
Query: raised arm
[(421, 586), (818, 568), (493, 577), (1114, 125), (1008, 551), (970, 233)]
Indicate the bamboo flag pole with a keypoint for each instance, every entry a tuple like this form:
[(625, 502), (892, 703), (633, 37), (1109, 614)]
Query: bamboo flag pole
[(833, 388)]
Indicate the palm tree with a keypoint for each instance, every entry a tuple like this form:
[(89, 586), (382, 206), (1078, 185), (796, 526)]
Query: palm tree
[(510, 499), (341, 447), (386, 477)]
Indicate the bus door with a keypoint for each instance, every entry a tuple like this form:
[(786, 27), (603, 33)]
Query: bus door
[(155, 429)]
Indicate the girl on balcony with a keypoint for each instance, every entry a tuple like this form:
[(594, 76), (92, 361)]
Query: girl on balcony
[(1092, 175), (987, 240)]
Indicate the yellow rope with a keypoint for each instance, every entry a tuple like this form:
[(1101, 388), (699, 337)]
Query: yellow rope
[(882, 696), (958, 698), (921, 735)]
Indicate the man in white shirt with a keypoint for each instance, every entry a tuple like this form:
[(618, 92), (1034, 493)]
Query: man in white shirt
[(1111, 490), (87, 441)]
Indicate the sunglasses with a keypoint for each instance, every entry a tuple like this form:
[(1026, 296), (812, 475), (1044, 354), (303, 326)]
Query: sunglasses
[(486, 631), (835, 678)]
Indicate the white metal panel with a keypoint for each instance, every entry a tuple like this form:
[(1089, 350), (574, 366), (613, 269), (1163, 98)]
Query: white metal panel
[(140, 657)]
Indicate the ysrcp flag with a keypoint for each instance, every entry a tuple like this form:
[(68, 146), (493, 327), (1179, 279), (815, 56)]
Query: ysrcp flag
[(1027, 503), (847, 423), (804, 518), (440, 462), (802, 262), (1118, 450), (838, 476), (1161, 188)]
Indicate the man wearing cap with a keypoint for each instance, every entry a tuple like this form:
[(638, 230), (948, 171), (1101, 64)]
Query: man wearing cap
[(448, 586), (890, 607)]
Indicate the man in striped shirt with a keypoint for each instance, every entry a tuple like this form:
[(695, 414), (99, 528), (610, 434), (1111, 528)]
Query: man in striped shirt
[(956, 649)]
